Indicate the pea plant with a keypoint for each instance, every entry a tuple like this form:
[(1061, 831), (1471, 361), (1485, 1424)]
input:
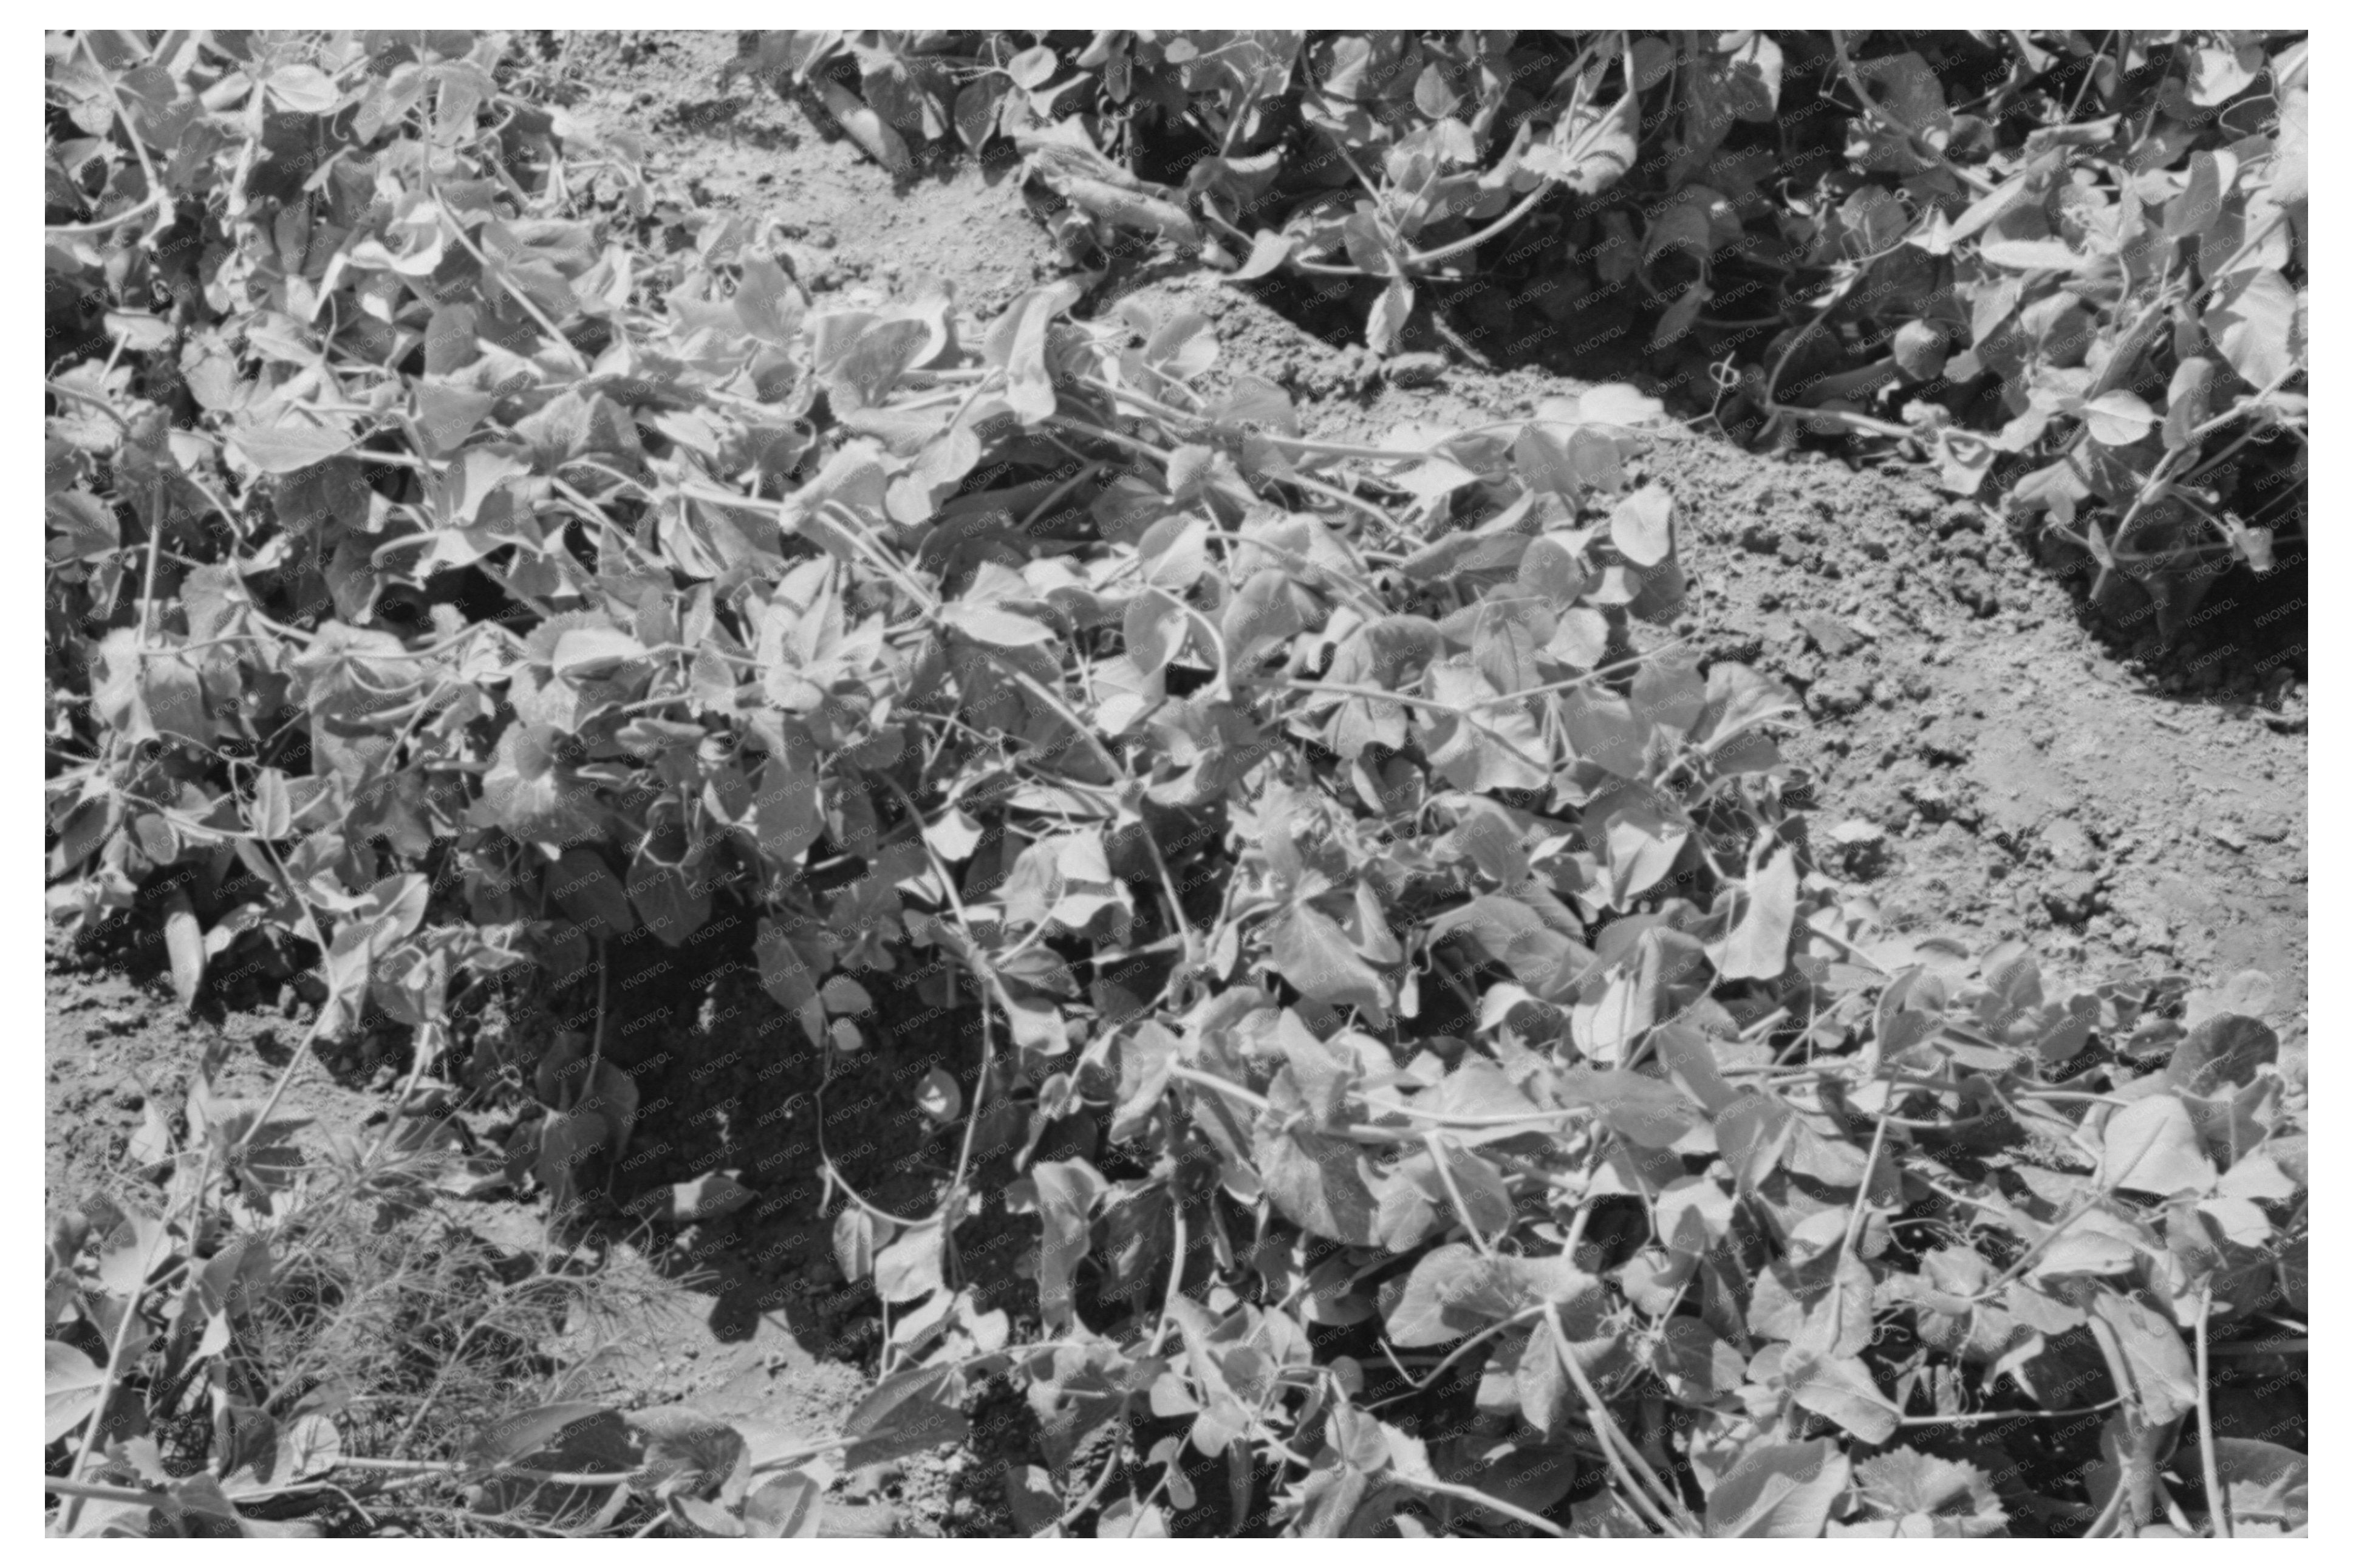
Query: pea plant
[(466, 555), (2070, 263)]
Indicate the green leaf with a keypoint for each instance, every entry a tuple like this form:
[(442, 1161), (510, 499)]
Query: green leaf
[(866, 128), (1185, 346), (1269, 250), (273, 814), (906, 1414), (2082, 1249), (585, 887), (909, 1268), (671, 902), (70, 1389), (593, 653), (977, 107), (789, 968), (1124, 1521), (999, 627), (531, 793), (1639, 845), (788, 810), (789, 1507), (144, 696), (1531, 1475), (1477, 1181), (2223, 1050), (768, 302), (1840, 1389), (707, 1197), (1589, 150), (1919, 351), (2164, 1379), (1016, 343), (854, 1234), (1566, 463), (1703, 1361), (1067, 1193), (1605, 730), (1950, 1496), (1453, 1291), (938, 1095), (1173, 552), (1318, 1182), (2186, 400), (1479, 1092), (1154, 626), (1508, 637), (305, 89), (289, 448), (184, 940), (81, 528), (1643, 1111), (1509, 932), (1549, 570), (1260, 619), (2266, 1483), (1758, 945), (1753, 1129), (2252, 321), (1488, 745), (1386, 323), (1643, 526), (1424, 1312), (1669, 691), (1740, 704), (2222, 70), (1307, 947), (583, 1429), (2152, 1146), (2117, 419), (1779, 1491), (1031, 68)]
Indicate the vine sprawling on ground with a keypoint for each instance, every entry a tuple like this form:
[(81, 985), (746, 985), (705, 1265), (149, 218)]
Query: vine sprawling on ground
[(464, 559), (2070, 262)]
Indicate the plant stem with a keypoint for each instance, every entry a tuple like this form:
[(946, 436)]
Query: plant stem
[(1477, 1498), (1437, 1146), (285, 1077), (1874, 109), (154, 199), (2218, 1502), (1175, 1273), (58, 389), (1419, 259), (1464, 709), (1863, 1189), (1621, 1453), (113, 1371), (84, 1490)]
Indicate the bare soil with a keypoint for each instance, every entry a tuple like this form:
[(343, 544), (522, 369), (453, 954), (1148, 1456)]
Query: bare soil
[(2024, 772)]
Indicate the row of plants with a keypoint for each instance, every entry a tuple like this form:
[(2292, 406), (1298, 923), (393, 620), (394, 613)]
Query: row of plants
[(464, 557), (2072, 263)]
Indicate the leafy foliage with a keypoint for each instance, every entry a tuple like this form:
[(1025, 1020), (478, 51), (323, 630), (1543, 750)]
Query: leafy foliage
[(207, 1310), (2076, 260), (296, 1325), (484, 561)]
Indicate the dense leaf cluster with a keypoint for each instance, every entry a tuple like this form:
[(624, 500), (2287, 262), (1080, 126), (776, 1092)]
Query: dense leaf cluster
[(2074, 261), (466, 559)]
